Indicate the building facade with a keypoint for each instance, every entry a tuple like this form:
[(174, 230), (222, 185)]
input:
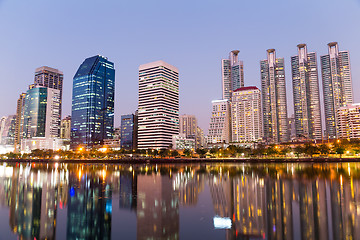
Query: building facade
[(129, 131), (232, 74), (92, 118), (274, 105), (200, 138), (188, 125), (7, 130), (349, 121), (19, 120), (246, 114), (337, 86), (51, 78), (220, 128), (158, 105), (65, 128), (41, 119), (306, 94), (181, 142)]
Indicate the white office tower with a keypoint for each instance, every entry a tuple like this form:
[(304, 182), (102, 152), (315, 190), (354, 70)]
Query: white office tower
[(219, 130), (232, 74), (274, 106), (306, 94), (246, 115), (337, 85), (349, 121), (158, 105)]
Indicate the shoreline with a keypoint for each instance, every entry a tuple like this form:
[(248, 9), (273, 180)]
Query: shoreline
[(183, 160)]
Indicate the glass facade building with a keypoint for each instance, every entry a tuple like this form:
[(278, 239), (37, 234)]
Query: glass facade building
[(306, 94), (93, 102), (35, 113), (129, 131), (274, 105), (337, 86), (232, 70)]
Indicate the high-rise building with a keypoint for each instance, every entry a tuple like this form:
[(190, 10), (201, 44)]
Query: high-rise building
[(337, 85), (129, 131), (188, 125), (220, 128), (274, 106), (246, 116), (7, 130), (92, 118), (19, 120), (65, 128), (41, 113), (306, 94), (349, 121), (232, 74), (41, 119), (51, 78), (158, 105)]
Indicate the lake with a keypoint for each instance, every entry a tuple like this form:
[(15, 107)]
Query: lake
[(176, 201)]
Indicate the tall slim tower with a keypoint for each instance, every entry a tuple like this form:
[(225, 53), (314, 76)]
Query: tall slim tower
[(51, 78), (18, 124), (337, 84), (274, 98), (92, 118), (306, 94), (232, 74), (158, 105)]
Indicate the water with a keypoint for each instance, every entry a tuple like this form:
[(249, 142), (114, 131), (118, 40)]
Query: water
[(199, 201)]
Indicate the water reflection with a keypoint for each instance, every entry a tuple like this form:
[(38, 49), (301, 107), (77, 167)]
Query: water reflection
[(264, 201)]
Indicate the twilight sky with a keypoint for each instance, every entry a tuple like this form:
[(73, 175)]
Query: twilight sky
[(192, 35)]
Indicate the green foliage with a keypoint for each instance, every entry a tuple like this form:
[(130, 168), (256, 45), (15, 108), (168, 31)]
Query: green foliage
[(201, 151), (187, 152)]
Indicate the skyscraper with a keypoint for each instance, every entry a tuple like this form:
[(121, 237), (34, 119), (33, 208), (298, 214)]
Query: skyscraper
[(158, 105), (51, 78), (232, 74), (19, 120), (306, 94), (220, 126), (337, 84), (273, 90), (246, 116), (41, 119), (92, 118), (129, 131)]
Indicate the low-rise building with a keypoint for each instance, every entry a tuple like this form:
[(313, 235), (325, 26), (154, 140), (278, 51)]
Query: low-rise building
[(180, 142), (349, 121)]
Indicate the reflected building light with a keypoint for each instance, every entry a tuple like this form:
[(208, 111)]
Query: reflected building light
[(222, 223)]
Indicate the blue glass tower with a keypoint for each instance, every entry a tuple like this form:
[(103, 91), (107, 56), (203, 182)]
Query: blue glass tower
[(129, 125), (93, 102)]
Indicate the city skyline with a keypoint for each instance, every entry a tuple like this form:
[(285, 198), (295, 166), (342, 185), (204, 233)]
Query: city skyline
[(69, 48)]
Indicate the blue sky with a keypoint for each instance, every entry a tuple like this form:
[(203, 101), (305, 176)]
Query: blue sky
[(191, 35)]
